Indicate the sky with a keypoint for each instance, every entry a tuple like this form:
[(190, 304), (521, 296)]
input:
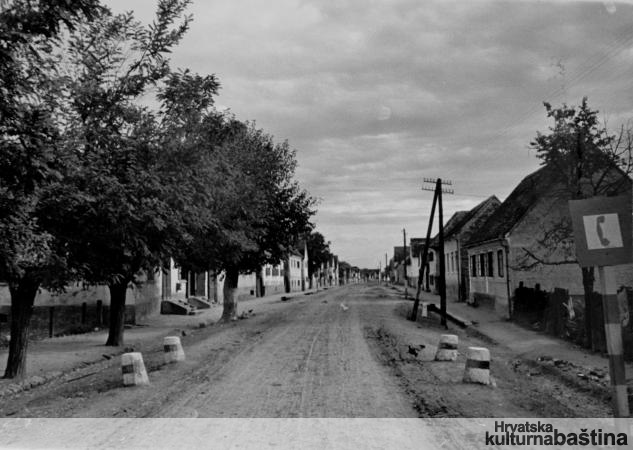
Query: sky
[(376, 96)]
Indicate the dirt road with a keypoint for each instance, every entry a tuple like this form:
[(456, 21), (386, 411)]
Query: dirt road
[(338, 353)]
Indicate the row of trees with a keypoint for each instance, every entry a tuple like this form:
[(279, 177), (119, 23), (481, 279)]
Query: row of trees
[(97, 186)]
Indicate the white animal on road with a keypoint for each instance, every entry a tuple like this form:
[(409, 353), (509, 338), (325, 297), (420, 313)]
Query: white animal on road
[(344, 307)]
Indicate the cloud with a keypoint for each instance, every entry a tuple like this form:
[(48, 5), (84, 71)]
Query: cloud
[(377, 95)]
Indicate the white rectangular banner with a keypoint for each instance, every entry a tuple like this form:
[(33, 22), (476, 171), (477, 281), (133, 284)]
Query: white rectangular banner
[(314, 433)]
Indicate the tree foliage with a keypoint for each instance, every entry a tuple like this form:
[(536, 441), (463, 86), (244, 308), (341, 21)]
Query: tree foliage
[(251, 211), (585, 160), (319, 251), (117, 201), (96, 185), (32, 160)]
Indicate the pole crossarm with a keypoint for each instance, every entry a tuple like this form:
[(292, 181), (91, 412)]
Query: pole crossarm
[(443, 190), (434, 180)]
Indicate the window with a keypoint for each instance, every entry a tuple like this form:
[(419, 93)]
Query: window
[(430, 256), (482, 265), (491, 271), (267, 271), (500, 263), (473, 266)]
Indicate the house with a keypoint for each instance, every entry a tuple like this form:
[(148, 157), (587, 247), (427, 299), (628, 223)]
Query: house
[(415, 250), (273, 278), (396, 265), (344, 272), (450, 270), (333, 271), (507, 250), (458, 230), (142, 299), (294, 271)]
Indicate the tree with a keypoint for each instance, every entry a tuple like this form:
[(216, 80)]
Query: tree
[(253, 211), (31, 155), (319, 251), (122, 204), (586, 161)]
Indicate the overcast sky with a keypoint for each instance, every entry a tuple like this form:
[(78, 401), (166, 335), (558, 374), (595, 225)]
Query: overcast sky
[(377, 95)]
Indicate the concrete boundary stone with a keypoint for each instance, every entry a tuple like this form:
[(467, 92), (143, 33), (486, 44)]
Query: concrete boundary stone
[(447, 348), (477, 368), (173, 349), (133, 369)]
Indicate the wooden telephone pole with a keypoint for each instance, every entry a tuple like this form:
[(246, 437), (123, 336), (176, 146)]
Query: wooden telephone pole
[(437, 200), (386, 271), (406, 280)]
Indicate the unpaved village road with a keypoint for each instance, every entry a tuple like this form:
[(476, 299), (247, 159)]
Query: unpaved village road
[(312, 357)]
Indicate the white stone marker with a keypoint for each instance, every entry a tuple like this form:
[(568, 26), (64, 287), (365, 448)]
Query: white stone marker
[(133, 369), (173, 349), (447, 348), (477, 366)]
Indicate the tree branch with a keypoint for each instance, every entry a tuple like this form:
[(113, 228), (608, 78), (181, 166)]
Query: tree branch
[(544, 262)]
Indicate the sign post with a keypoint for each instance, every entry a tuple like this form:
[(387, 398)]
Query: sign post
[(603, 234)]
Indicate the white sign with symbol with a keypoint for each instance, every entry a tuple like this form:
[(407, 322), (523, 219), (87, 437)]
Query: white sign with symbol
[(602, 231)]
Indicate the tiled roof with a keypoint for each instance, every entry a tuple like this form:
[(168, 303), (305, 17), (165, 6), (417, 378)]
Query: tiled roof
[(417, 246), (465, 222), (398, 254), (453, 223), (520, 200)]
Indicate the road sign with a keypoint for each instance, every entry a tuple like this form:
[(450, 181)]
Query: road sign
[(603, 234), (602, 230)]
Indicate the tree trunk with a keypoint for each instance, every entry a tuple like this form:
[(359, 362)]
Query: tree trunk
[(22, 299), (117, 313), (229, 311), (259, 283), (588, 279), (287, 275)]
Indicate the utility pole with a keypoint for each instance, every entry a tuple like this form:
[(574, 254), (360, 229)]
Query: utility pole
[(437, 200), (406, 280), (442, 280), (386, 275)]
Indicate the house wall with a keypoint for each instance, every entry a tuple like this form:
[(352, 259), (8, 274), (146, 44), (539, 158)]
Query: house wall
[(296, 272), (177, 282), (246, 286), (451, 263), (434, 270), (273, 279), (482, 214), (413, 270), (489, 287), (142, 299), (545, 215), (305, 283)]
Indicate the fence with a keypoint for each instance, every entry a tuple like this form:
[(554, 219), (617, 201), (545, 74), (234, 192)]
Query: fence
[(561, 315), (49, 321)]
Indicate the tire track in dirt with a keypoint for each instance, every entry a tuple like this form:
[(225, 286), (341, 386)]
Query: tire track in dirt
[(315, 365), (437, 387)]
